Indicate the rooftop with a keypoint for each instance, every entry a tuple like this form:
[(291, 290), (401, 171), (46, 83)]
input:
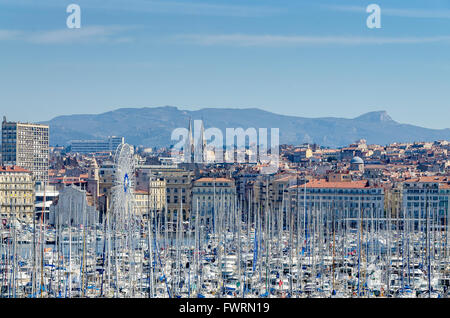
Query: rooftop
[(429, 179), (13, 169), (324, 184), (213, 180)]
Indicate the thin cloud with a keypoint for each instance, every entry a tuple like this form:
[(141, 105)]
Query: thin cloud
[(8, 34), (83, 35), (406, 12), (283, 40), (89, 34)]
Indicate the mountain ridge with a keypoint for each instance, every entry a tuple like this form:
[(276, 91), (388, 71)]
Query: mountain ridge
[(152, 126)]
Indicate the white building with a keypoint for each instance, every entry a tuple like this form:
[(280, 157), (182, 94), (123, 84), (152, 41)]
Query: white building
[(72, 208), (26, 145), (109, 144), (211, 196), (426, 196), (350, 200), (16, 193), (44, 198)]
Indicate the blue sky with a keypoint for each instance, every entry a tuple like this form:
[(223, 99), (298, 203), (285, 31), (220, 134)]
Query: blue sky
[(304, 58)]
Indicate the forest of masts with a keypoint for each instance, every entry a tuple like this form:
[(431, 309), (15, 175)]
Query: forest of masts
[(240, 249)]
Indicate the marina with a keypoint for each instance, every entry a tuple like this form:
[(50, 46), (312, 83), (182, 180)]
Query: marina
[(234, 249), (255, 253)]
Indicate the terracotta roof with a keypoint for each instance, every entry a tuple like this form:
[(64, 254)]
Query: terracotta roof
[(322, 183), (13, 169), (213, 180), (426, 179), (286, 178), (301, 149)]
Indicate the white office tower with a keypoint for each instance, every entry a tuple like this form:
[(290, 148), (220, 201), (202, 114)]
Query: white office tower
[(109, 144), (26, 145)]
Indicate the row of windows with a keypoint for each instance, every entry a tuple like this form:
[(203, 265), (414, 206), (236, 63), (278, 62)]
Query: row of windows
[(422, 204), (211, 197), (175, 190), (176, 181), (210, 191), (13, 179), (218, 184), (4, 215), (421, 191), (15, 187), (417, 198), (350, 198), (175, 199), (9, 201), (339, 191), (314, 205)]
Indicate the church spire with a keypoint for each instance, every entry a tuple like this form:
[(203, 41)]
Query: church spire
[(188, 150)]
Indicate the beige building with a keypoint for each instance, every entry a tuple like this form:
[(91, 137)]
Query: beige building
[(211, 195), (152, 199), (106, 181), (349, 199), (26, 145), (273, 191), (93, 181), (16, 193), (146, 172), (178, 191), (393, 197)]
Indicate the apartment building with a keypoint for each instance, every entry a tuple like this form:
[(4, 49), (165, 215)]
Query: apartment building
[(211, 196), (178, 191), (154, 199), (350, 200), (16, 193), (27, 146), (426, 196)]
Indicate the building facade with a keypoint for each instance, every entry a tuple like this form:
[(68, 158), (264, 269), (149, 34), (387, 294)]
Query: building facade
[(178, 192), (106, 176), (45, 196), (27, 146), (211, 196), (16, 193), (72, 208), (152, 200), (109, 144), (426, 198), (349, 200)]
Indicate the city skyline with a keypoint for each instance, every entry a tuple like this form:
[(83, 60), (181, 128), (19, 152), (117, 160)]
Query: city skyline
[(224, 149), (291, 58)]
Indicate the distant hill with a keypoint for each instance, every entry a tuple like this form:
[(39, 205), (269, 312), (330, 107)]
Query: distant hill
[(153, 126)]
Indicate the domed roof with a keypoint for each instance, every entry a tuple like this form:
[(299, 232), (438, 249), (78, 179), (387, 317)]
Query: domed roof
[(357, 160)]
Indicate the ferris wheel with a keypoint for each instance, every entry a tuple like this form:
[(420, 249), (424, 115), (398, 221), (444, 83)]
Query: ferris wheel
[(123, 202), (125, 219)]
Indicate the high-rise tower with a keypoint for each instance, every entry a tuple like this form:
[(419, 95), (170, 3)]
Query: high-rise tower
[(26, 145)]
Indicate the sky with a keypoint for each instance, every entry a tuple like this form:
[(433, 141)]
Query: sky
[(295, 57)]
